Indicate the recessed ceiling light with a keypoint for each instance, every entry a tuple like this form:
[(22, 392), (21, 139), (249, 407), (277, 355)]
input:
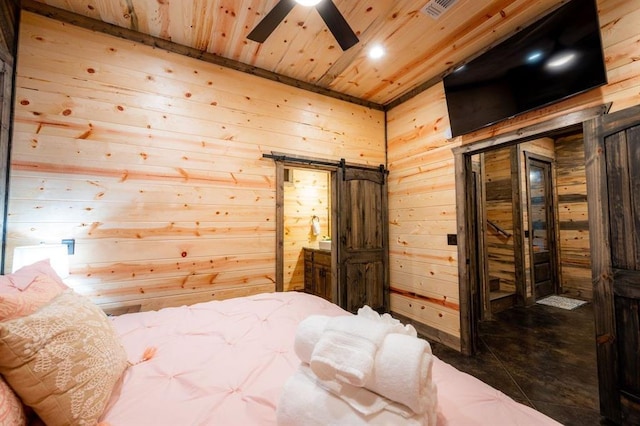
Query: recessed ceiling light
[(376, 52), (308, 2)]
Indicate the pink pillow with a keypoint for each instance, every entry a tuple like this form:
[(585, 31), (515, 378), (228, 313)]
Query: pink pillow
[(15, 303), (11, 410), (25, 275)]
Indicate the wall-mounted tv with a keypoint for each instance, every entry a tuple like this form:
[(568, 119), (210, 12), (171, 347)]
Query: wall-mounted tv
[(558, 56)]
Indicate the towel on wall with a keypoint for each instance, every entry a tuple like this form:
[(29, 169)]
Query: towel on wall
[(315, 225)]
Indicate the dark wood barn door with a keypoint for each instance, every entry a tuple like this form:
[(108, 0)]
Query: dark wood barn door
[(362, 246), (612, 147)]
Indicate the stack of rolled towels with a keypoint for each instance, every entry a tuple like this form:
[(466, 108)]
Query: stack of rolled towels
[(364, 369)]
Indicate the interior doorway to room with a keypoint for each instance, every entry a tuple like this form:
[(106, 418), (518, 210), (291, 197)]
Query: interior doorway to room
[(514, 219), (307, 225), (352, 269)]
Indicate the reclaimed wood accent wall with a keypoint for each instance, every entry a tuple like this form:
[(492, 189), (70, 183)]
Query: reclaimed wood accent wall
[(544, 147), (499, 211), (153, 162), (424, 278), (306, 196), (573, 217)]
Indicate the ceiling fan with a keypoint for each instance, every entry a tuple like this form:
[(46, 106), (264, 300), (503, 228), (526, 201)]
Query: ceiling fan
[(327, 10)]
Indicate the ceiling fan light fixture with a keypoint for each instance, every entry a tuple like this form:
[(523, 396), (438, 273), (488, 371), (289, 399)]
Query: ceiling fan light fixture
[(308, 3)]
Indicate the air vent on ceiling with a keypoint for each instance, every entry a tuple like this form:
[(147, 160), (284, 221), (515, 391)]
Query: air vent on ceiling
[(435, 8)]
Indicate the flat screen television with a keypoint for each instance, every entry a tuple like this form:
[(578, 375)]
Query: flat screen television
[(558, 56)]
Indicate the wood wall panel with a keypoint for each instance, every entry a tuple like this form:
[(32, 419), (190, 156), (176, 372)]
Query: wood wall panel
[(499, 211), (417, 129), (423, 268), (573, 218), (153, 162)]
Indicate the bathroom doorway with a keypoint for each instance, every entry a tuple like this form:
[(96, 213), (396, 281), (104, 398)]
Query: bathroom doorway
[(307, 221)]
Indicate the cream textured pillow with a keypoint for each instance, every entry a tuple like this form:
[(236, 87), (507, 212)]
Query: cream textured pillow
[(63, 360), (15, 303), (11, 412)]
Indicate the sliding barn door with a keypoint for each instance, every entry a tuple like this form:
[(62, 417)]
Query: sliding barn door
[(363, 239), (612, 147)]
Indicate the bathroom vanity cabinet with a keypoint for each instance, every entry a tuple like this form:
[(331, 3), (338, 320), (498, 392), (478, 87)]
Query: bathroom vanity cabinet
[(317, 272)]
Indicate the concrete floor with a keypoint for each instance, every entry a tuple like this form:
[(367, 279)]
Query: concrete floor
[(540, 356)]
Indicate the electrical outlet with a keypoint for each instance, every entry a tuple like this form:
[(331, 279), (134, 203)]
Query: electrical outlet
[(452, 239)]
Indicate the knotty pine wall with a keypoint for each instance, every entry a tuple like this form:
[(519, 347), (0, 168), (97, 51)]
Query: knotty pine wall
[(424, 278), (306, 196), (153, 162)]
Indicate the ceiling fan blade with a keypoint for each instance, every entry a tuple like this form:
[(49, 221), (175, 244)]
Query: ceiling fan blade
[(337, 24), (271, 21)]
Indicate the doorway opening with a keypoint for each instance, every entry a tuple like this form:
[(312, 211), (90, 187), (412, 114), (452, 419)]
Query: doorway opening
[(515, 209), (527, 229), (307, 226), (347, 211)]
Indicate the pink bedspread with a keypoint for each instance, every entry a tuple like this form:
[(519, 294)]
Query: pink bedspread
[(225, 363)]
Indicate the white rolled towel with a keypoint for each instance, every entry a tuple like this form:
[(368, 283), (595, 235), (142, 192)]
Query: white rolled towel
[(308, 334), (347, 349), (305, 402), (402, 372)]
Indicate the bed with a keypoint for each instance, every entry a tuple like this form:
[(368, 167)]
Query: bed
[(226, 362)]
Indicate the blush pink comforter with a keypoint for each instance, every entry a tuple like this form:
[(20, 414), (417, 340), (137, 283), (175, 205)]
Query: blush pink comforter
[(225, 363)]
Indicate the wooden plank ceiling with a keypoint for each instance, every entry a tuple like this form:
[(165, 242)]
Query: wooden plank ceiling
[(419, 48)]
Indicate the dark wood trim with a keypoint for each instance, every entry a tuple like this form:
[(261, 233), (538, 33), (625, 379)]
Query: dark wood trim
[(534, 131), (9, 12), (605, 280), (518, 226), (279, 226), (553, 243), (465, 241), (9, 25), (481, 212), (138, 37), (601, 267), (462, 157)]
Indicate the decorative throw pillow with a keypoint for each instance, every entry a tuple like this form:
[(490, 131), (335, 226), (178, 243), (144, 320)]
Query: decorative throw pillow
[(63, 360), (23, 277), (11, 412), (15, 303)]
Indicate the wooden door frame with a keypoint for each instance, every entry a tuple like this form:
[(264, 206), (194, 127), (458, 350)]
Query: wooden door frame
[(334, 168), (595, 132), (553, 243), (466, 241), (313, 164)]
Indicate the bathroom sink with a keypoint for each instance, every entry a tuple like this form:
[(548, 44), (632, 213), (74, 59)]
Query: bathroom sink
[(324, 244)]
